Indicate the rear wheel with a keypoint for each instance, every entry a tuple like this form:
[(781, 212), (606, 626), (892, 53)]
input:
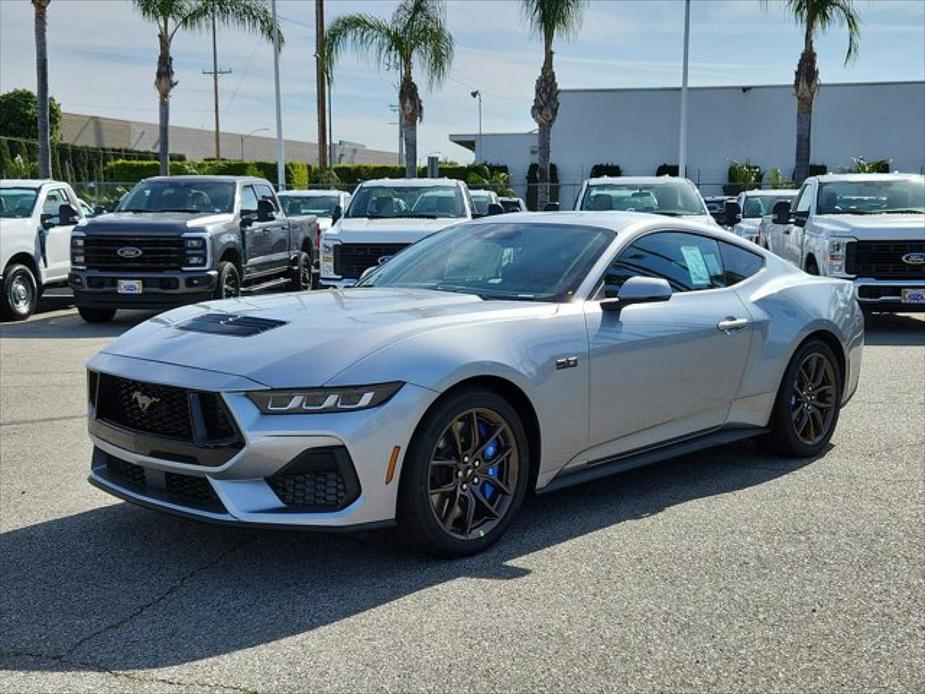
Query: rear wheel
[(302, 273), (465, 475), (812, 267), (96, 315), (229, 281), (808, 401), (20, 293)]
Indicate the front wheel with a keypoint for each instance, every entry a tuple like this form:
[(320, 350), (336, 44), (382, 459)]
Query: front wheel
[(465, 475), (808, 401), (229, 281), (20, 293)]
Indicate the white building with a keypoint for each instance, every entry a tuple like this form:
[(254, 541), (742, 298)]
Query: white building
[(639, 129)]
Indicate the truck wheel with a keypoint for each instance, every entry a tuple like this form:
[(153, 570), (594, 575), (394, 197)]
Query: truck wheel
[(229, 281), (20, 294), (96, 315), (302, 273)]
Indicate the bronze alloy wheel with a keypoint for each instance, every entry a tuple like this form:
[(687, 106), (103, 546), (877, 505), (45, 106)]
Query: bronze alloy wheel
[(473, 473), (812, 402)]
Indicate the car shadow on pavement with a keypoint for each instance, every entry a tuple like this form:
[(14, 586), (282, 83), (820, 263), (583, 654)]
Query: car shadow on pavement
[(122, 588), (890, 329), (70, 325)]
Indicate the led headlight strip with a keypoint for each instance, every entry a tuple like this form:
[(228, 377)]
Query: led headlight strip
[(323, 400)]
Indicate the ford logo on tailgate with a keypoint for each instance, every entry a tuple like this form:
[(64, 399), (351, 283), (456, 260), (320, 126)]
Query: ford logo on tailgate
[(129, 252), (914, 259)]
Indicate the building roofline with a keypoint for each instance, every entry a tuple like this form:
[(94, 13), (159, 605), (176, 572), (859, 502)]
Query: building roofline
[(740, 86)]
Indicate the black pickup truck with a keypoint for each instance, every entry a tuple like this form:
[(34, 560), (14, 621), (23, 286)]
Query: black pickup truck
[(181, 239)]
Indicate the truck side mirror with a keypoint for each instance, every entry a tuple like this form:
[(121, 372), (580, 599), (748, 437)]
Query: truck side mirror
[(551, 207), (732, 215), (265, 211), (67, 215), (337, 213), (781, 212), (495, 208)]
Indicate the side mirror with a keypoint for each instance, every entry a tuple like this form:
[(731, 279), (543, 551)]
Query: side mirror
[(98, 210), (495, 208), (551, 207), (336, 214), (45, 220), (636, 290), (733, 214), (67, 214), (781, 212), (265, 211)]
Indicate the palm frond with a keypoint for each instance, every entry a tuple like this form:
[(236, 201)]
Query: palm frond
[(363, 33), (253, 16), (551, 18), (428, 41), (824, 14)]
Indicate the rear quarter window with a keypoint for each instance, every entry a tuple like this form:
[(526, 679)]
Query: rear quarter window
[(738, 263)]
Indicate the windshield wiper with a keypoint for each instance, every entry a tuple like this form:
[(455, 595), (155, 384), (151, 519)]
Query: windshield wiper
[(178, 209), (905, 211), (415, 216)]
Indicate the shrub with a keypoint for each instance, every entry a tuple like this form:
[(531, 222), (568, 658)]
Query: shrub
[(777, 181), (667, 170), (817, 170), (742, 176), (861, 165), (532, 192), (19, 113), (606, 170)]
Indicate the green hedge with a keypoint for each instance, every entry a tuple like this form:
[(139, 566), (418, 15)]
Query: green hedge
[(350, 174), (297, 173), (532, 192), (606, 170), (818, 170)]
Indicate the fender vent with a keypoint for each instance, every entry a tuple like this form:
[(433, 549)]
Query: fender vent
[(229, 324)]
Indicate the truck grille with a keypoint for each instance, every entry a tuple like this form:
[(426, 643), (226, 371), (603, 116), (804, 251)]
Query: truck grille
[(157, 252), (351, 259), (883, 259)]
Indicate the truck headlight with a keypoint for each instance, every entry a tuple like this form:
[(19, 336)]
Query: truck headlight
[(323, 400), (327, 258), (77, 250), (195, 252), (836, 253)]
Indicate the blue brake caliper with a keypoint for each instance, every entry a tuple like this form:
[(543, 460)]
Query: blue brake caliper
[(490, 451)]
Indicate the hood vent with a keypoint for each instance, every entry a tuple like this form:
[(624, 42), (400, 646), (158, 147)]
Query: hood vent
[(229, 324)]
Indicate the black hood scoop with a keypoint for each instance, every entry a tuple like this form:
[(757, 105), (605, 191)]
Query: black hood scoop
[(229, 324)]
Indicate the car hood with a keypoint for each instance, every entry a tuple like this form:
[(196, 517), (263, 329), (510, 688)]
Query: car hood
[(397, 230), (874, 226), (153, 222), (321, 333)]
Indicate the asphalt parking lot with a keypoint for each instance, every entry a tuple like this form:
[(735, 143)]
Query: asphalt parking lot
[(725, 570)]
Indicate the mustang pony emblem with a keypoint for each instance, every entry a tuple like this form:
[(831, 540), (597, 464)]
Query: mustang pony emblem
[(143, 401)]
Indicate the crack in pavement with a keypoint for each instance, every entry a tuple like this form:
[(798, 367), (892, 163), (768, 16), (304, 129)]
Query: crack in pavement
[(42, 420), (135, 677)]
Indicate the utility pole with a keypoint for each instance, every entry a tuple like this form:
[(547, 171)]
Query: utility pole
[(320, 86), (280, 155), (682, 140), (215, 72), (395, 108)]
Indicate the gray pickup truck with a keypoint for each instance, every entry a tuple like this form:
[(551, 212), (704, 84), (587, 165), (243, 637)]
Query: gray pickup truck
[(182, 239)]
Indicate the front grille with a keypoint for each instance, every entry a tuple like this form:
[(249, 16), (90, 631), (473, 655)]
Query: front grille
[(351, 259), (195, 490), (184, 490), (128, 473), (216, 417), (883, 259), (157, 252), (147, 407), (311, 490)]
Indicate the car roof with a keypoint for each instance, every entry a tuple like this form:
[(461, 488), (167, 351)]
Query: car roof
[(412, 182), (481, 190), (309, 193), (205, 179), (838, 178), (772, 191), (25, 182), (637, 180)]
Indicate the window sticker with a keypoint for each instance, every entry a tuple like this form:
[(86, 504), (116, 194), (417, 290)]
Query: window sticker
[(713, 265), (696, 267)]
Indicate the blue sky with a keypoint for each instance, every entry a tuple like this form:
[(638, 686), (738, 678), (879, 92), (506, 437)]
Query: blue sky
[(102, 57)]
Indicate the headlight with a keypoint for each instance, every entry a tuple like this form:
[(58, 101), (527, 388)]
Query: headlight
[(195, 251), (836, 251), (327, 258), (195, 243), (78, 259), (323, 400), (77, 242)]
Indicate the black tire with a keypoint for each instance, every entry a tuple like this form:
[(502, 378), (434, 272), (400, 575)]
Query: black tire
[(96, 315), (20, 293), (417, 513), (812, 267), (301, 274), (821, 403), (228, 285)]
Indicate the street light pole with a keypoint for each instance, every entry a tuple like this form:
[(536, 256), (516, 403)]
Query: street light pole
[(682, 140), (477, 94), (252, 132), (280, 161)]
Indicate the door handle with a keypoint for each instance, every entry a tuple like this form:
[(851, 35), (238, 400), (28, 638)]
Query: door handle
[(731, 325)]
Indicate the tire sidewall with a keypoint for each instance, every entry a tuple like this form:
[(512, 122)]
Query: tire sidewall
[(225, 269), (10, 311), (303, 260), (415, 516)]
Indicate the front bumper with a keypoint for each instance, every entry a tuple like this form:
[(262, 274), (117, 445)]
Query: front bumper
[(241, 490), (160, 290), (886, 295)]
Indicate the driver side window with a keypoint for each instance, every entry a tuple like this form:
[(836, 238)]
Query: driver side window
[(248, 200), (804, 201), (53, 200)]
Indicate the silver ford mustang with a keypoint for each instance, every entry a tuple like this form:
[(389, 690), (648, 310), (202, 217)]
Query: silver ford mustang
[(495, 358)]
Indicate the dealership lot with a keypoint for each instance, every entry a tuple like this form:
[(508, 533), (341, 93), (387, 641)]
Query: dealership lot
[(728, 569)]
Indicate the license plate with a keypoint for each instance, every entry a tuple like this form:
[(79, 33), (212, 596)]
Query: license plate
[(129, 286), (914, 296)]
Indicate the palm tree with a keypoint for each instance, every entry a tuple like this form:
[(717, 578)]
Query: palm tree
[(547, 19), (813, 15), (41, 70), (173, 15), (415, 35)]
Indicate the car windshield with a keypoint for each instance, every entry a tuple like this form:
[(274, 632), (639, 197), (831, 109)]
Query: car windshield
[(761, 205), (480, 201), (671, 198), (180, 196), (17, 202), (902, 195), (513, 261), (318, 205), (387, 202)]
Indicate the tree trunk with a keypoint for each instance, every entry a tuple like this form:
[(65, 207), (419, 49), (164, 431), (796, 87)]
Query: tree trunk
[(804, 132), (320, 86), (805, 87), (411, 112), (164, 83), (542, 171), (41, 70), (410, 133)]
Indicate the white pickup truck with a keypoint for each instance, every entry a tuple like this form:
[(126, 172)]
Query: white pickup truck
[(867, 228), (744, 216), (384, 217), (666, 195), (36, 219)]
